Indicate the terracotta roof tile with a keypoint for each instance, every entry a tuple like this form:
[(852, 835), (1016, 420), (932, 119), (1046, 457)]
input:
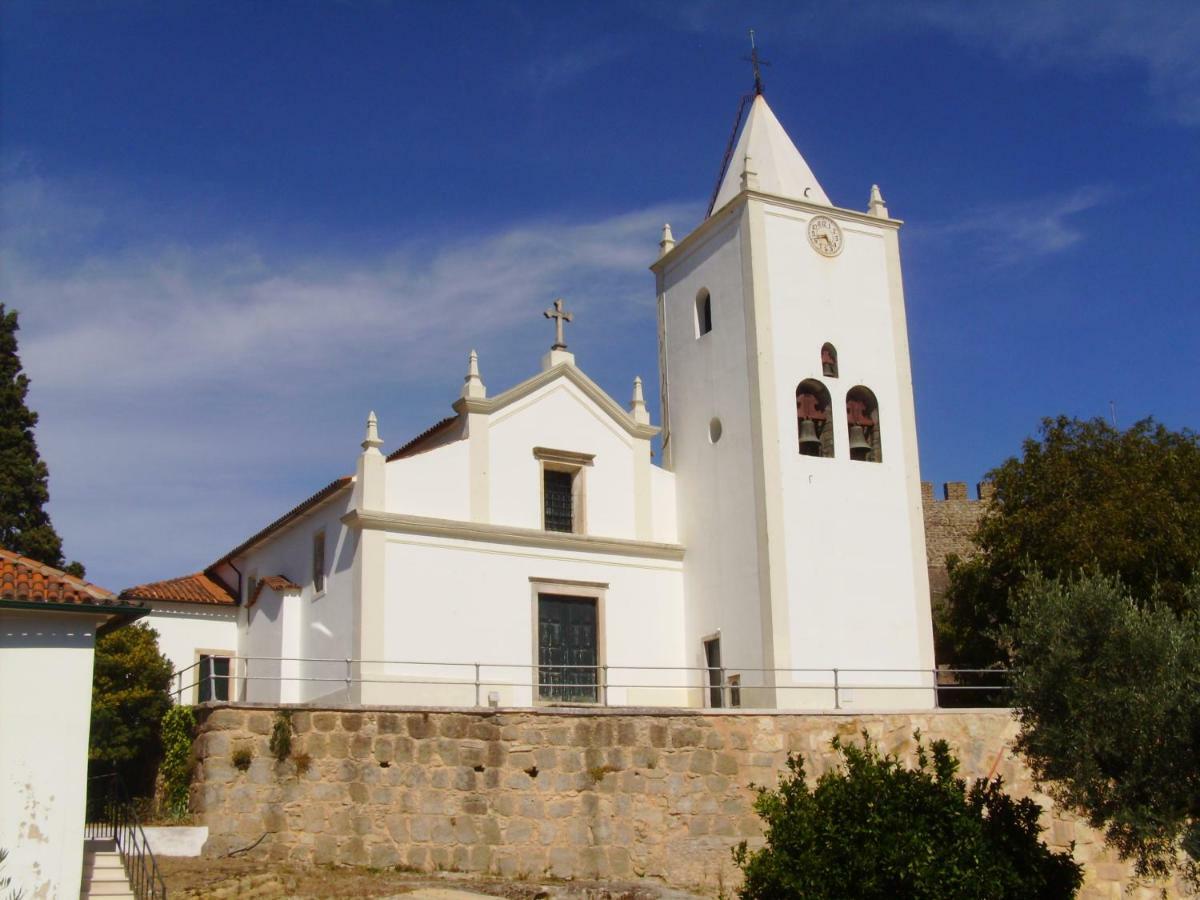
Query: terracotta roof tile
[(278, 583), (195, 588), (26, 580), (414, 446), (295, 512)]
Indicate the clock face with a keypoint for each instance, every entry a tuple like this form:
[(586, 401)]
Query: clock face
[(825, 236)]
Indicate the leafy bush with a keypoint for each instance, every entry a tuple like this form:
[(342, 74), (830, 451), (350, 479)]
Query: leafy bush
[(1108, 693), (178, 729), (130, 681), (241, 758), (281, 735), (872, 828)]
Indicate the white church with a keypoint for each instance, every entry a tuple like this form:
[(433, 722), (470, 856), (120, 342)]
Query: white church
[(528, 551)]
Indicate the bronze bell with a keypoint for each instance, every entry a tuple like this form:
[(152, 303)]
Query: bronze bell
[(858, 440), (808, 436)]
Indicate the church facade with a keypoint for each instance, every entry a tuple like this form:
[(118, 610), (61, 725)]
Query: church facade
[(527, 550)]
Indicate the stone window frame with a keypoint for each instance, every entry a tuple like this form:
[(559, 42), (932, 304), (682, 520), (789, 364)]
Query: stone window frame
[(230, 679), (565, 587), (576, 465)]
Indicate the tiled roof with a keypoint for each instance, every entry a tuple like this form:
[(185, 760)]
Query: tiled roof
[(196, 588), (25, 580), (414, 446), (319, 497), (278, 583)]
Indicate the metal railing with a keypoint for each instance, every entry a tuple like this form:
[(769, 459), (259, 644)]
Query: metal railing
[(111, 817), (478, 684)]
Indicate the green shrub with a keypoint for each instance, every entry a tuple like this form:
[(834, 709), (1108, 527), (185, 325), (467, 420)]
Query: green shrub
[(178, 730), (872, 828), (281, 735)]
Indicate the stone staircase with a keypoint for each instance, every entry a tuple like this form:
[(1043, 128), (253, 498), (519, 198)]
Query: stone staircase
[(103, 873)]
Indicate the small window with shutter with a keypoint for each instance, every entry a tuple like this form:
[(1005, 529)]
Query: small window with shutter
[(318, 562)]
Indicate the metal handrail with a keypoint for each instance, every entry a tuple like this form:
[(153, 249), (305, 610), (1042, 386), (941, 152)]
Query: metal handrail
[(118, 821), (837, 680)]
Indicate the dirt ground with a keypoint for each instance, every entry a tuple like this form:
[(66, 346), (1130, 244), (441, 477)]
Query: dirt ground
[(248, 878)]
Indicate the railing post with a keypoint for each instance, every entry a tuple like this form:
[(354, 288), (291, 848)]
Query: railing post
[(936, 705), (837, 696), (349, 678), (721, 687), (477, 703), (604, 685)]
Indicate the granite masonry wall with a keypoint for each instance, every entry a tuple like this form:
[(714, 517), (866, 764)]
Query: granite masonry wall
[(599, 794), (950, 523)]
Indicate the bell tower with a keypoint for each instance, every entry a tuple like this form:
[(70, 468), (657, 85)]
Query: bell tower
[(789, 422)]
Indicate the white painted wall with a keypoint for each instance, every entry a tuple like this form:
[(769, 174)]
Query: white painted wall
[(856, 562), (45, 711), (455, 601), (708, 377), (187, 629), (307, 625), (433, 483)]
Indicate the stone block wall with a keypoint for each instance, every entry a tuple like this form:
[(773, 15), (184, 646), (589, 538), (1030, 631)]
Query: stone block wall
[(605, 794), (950, 523)]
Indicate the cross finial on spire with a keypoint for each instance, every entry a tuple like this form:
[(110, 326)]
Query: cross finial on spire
[(560, 315), (756, 62)]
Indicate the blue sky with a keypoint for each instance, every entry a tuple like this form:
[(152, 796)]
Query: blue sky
[(233, 228)]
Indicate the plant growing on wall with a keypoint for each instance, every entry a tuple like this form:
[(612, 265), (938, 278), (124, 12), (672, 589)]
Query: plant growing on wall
[(178, 730), (280, 743), (874, 828)]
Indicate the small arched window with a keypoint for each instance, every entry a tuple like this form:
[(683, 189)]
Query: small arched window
[(829, 361), (703, 313), (814, 424), (862, 424)]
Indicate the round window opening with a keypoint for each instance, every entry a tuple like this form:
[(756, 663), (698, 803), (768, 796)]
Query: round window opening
[(714, 430)]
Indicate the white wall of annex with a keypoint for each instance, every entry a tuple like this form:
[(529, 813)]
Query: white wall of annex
[(708, 377), (466, 602), (186, 629), (666, 512), (435, 483), (45, 708), (848, 525), (319, 626), (559, 416)]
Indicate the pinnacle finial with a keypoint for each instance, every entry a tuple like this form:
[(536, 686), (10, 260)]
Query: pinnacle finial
[(473, 386), (667, 244), (637, 406), (877, 207), (372, 441), (749, 175)]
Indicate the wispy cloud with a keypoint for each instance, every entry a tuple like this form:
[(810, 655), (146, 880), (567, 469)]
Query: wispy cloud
[(555, 71), (188, 393), (1162, 38), (1010, 233)]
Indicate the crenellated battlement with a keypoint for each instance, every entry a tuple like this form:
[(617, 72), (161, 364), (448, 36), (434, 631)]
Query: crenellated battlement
[(950, 524)]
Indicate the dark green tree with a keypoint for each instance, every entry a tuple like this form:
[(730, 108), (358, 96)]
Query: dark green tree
[(25, 526), (1082, 495), (873, 828), (130, 684), (1108, 693)]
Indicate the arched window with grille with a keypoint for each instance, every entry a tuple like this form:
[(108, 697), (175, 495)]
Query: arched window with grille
[(829, 366), (814, 422), (862, 425)]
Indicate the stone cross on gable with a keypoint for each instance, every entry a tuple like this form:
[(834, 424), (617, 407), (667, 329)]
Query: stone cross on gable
[(559, 314)]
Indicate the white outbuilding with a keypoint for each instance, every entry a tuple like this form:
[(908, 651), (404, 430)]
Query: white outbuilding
[(49, 622), (529, 550)]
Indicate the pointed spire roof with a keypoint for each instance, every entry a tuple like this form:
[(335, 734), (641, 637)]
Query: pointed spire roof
[(775, 161)]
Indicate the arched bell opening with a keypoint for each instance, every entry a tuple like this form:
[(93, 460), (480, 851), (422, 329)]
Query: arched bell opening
[(862, 424), (829, 366), (814, 422)]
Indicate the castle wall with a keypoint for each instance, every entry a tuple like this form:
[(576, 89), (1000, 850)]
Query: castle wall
[(591, 794), (950, 524)]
